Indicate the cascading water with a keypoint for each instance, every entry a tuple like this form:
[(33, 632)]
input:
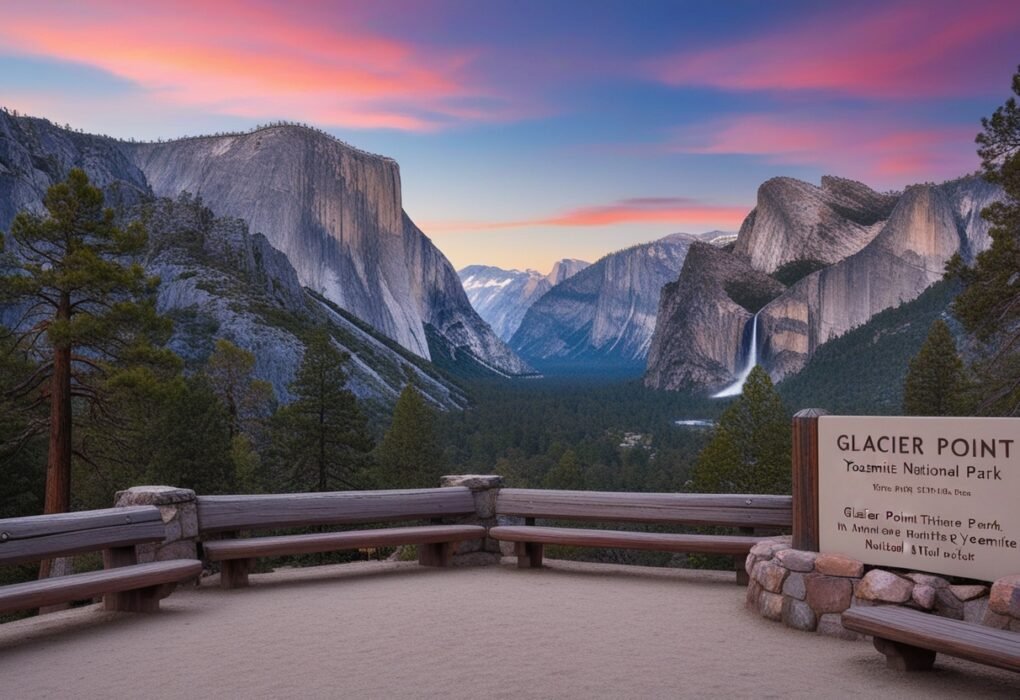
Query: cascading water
[(737, 387)]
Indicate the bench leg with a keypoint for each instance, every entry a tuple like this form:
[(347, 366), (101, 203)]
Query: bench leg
[(144, 600), (529, 554), (437, 554), (738, 565), (904, 657), (234, 573)]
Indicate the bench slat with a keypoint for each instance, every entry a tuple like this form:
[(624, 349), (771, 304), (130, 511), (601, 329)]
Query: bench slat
[(55, 537), (965, 640), (333, 541), (666, 542), (61, 589), (223, 513), (695, 509)]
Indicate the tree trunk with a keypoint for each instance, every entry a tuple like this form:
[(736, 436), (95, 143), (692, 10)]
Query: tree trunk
[(58, 463)]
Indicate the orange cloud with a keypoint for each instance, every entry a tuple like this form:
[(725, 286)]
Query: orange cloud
[(678, 211), (258, 61), (903, 50)]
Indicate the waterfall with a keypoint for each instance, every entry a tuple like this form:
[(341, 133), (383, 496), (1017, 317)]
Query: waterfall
[(737, 386)]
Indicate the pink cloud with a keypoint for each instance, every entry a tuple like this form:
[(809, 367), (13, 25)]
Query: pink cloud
[(253, 60), (905, 49), (858, 147), (677, 211)]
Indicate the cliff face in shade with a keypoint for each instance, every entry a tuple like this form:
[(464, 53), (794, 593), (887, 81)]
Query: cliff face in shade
[(698, 336), (335, 212), (929, 224), (606, 312), (502, 297), (907, 253), (795, 220)]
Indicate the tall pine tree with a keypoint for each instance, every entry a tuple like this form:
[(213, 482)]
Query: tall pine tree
[(989, 306), (409, 455), (935, 384), (321, 439), (749, 451), (87, 311)]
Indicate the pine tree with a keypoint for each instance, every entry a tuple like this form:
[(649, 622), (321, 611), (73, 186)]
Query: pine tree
[(749, 451), (935, 384), (989, 306), (321, 440), (87, 311), (409, 455)]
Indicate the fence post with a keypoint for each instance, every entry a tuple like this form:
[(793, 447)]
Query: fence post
[(805, 479)]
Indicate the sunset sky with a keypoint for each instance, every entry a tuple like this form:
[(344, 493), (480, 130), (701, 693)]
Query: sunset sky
[(531, 131)]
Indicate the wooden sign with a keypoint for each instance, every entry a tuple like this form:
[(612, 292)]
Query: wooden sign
[(929, 494)]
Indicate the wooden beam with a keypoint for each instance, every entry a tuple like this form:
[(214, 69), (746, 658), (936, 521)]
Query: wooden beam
[(234, 573), (805, 479)]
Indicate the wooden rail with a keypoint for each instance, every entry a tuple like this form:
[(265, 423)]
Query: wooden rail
[(125, 584)]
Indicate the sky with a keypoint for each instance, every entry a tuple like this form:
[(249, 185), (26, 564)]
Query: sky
[(530, 131)]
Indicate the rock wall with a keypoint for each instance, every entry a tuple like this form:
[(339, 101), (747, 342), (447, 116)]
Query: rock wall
[(810, 590)]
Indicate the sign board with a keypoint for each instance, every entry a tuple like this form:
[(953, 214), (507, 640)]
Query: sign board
[(930, 494)]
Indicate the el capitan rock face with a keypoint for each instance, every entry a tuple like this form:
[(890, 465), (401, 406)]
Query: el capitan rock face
[(336, 213), (893, 247), (604, 314), (502, 297)]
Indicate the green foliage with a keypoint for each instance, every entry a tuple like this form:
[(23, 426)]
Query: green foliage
[(523, 429), (989, 306), (796, 270), (231, 373), (409, 455), (749, 451), (320, 441), (935, 384), (89, 313)]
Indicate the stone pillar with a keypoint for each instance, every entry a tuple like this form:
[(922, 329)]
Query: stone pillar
[(180, 518), (484, 488)]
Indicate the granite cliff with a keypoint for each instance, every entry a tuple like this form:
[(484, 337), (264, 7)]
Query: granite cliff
[(336, 213), (604, 314), (846, 253)]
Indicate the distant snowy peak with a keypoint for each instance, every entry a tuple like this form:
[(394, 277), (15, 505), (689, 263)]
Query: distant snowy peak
[(502, 297)]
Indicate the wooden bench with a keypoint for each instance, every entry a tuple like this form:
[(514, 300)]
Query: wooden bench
[(124, 584), (911, 638), (231, 514), (743, 512)]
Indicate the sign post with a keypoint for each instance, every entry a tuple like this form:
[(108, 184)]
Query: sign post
[(929, 494)]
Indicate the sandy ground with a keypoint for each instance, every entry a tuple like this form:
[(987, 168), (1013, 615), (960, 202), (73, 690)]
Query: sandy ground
[(389, 630)]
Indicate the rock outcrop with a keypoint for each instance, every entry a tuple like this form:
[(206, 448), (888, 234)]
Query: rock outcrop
[(502, 297), (709, 349), (605, 313), (902, 254), (336, 213), (795, 220)]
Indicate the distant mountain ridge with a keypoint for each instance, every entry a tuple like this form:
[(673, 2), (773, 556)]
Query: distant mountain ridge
[(605, 314), (502, 297)]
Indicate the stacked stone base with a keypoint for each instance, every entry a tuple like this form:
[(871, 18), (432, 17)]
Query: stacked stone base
[(809, 591)]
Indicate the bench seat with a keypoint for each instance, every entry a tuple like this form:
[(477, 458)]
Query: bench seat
[(224, 550), (144, 580), (667, 542), (910, 639)]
